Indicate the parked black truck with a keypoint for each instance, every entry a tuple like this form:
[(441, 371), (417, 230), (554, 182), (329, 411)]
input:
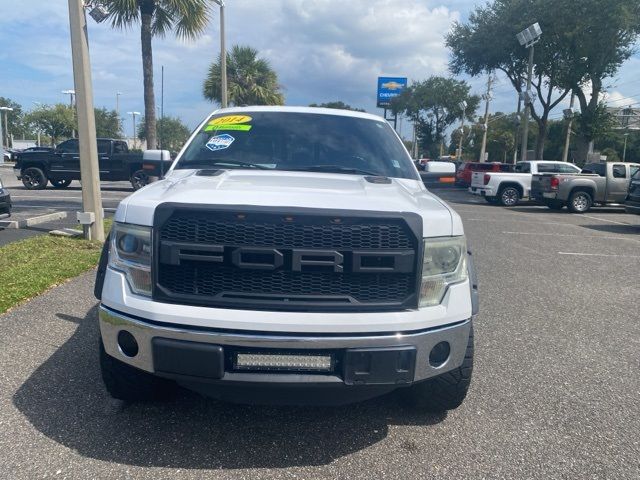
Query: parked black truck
[(61, 166)]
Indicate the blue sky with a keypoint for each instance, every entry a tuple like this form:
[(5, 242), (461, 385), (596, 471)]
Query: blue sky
[(322, 50)]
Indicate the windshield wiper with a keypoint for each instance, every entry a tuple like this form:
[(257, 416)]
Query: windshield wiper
[(221, 163), (335, 169)]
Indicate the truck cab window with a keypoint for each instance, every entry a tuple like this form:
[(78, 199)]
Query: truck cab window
[(523, 168), (619, 171), (70, 146)]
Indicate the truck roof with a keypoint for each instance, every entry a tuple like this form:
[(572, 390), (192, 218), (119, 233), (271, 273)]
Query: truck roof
[(314, 110)]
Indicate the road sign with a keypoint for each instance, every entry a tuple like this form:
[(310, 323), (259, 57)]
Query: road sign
[(389, 88)]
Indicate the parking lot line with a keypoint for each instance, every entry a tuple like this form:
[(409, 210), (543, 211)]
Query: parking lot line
[(606, 220), (604, 237), (580, 254)]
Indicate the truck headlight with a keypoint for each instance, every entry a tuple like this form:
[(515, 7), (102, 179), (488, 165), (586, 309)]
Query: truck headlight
[(130, 253), (444, 264)]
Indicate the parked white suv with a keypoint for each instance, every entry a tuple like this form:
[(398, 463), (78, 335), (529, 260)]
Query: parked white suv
[(290, 255), (508, 188)]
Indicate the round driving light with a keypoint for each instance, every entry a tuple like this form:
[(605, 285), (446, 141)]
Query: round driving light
[(439, 354), (128, 243), (127, 344)]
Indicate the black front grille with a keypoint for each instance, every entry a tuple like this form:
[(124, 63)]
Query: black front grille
[(199, 279)]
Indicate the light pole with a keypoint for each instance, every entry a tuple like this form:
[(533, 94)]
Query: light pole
[(463, 106), (72, 94), (92, 215), (5, 110), (568, 114), (528, 38), (223, 57), (624, 150), (133, 116)]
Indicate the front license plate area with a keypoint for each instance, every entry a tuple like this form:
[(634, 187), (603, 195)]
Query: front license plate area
[(379, 366)]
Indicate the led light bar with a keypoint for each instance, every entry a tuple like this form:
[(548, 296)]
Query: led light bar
[(262, 361)]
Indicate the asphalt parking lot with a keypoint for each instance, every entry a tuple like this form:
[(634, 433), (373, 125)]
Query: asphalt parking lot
[(555, 393)]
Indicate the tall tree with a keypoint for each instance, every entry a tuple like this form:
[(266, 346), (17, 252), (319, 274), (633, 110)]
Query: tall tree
[(593, 44), (487, 42), (172, 133), (251, 80), (107, 123), (337, 104), (434, 105), (55, 121), (187, 18)]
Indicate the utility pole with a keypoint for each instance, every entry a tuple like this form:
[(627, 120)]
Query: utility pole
[(569, 116), (463, 105), (118, 109), (71, 94), (133, 115), (1, 142), (624, 150), (4, 129), (486, 119), (223, 57), (89, 172)]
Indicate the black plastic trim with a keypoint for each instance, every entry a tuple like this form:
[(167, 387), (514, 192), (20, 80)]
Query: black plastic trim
[(102, 269)]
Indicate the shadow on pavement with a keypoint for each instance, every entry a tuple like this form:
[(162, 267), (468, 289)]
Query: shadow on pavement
[(614, 228), (65, 400)]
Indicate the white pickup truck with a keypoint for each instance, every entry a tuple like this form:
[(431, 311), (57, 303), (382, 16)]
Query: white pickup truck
[(291, 255), (507, 189)]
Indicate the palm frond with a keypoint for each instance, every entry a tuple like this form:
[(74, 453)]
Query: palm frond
[(122, 13)]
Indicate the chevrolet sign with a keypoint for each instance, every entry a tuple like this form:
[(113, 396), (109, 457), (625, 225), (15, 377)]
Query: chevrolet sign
[(389, 88)]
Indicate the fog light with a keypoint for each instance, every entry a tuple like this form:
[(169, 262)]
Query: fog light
[(261, 361), (127, 344), (439, 354)]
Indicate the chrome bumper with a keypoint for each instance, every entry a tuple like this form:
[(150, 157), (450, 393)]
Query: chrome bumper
[(112, 323)]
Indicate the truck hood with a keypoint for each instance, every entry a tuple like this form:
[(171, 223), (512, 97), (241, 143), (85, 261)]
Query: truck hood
[(292, 189)]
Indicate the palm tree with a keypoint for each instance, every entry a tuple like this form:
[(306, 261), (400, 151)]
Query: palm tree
[(251, 81), (187, 18)]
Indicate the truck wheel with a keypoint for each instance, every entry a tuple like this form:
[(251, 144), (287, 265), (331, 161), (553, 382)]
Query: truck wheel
[(557, 205), (446, 391), (139, 179), (580, 202), (509, 197), (131, 384), (34, 179), (64, 183)]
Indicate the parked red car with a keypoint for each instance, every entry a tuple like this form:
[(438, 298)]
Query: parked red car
[(463, 175)]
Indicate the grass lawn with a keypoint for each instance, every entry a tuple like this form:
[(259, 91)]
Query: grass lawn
[(34, 265)]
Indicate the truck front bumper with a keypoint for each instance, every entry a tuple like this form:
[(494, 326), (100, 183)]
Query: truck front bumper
[(203, 356)]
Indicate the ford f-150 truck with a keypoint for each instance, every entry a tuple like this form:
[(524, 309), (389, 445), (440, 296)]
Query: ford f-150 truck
[(598, 184), (507, 188), (291, 255), (61, 166)]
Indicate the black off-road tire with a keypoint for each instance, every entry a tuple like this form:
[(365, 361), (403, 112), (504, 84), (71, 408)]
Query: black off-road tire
[(509, 196), (130, 384), (139, 179), (446, 391), (63, 183), (580, 202), (34, 178)]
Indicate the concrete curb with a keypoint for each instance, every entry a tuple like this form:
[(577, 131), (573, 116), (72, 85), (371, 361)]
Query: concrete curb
[(30, 222)]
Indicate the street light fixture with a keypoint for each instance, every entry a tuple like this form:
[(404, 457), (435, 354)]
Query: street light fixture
[(528, 38), (133, 116), (223, 57)]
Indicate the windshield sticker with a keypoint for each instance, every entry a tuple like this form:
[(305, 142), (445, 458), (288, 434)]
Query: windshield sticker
[(229, 122), (220, 142)]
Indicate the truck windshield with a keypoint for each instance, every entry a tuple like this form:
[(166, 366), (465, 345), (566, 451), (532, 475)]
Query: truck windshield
[(300, 142)]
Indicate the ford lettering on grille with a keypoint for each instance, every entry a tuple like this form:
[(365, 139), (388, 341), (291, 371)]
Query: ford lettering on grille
[(301, 259)]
